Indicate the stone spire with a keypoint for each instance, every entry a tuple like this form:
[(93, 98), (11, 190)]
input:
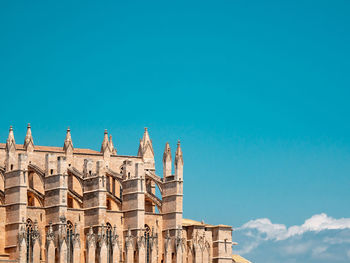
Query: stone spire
[(105, 143), (146, 150), (167, 161), (178, 162), (10, 142), (178, 154), (28, 140), (111, 146), (68, 143)]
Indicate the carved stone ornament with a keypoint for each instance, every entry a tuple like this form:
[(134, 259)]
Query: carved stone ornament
[(50, 236), (91, 239)]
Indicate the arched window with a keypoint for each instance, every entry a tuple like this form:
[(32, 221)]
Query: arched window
[(69, 242), (109, 243), (147, 234), (29, 231)]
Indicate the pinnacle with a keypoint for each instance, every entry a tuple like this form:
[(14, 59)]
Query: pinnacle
[(111, 145), (178, 154), (167, 152), (11, 139), (68, 141), (28, 140), (105, 142)]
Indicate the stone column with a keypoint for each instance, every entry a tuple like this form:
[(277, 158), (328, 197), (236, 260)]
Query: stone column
[(36, 251), (167, 247), (22, 245), (103, 251), (115, 246), (197, 254), (36, 243), (63, 252), (206, 255), (129, 247), (141, 249), (116, 253), (91, 246), (76, 246), (50, 245), (154, 249)]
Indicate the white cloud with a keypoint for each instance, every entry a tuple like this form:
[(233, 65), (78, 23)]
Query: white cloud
[(280, 232), (320, 239)]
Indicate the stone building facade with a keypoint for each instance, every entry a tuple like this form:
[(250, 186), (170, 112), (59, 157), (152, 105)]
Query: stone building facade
[(63, 204)]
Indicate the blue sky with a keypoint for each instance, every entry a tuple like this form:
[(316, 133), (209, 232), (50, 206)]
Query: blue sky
[(257, 91)]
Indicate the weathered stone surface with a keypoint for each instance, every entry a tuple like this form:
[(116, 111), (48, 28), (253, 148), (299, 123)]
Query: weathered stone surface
[(65, 200)]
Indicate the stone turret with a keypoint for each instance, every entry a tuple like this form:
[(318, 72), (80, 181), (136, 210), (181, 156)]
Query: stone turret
[(28, 140), (172, 195), (167, 161), (146, 151)]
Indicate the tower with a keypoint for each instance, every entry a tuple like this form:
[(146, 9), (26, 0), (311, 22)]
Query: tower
[(172, 199)]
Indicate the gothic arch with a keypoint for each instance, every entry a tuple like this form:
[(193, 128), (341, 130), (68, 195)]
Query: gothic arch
[(36, 181), (154, 199), (37, 170), (75, 184), (74, 201), (34, 198), (156, 179)]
